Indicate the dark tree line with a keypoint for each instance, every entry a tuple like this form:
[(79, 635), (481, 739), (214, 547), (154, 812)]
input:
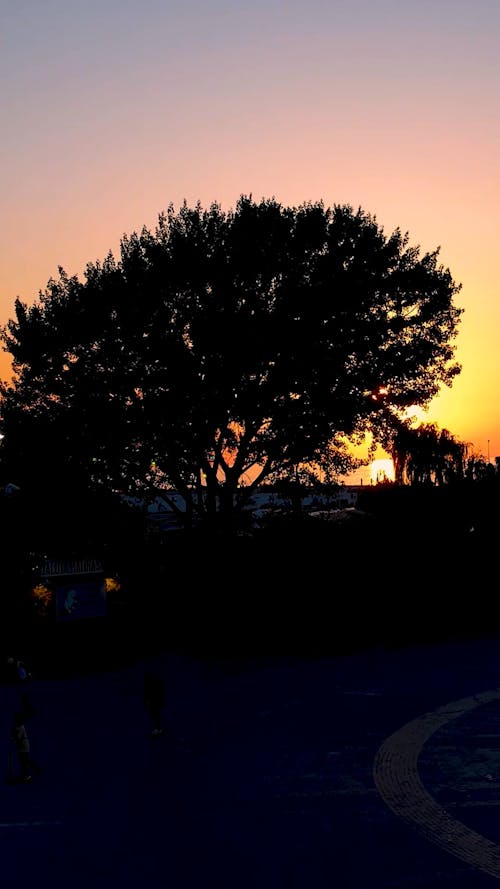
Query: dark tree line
[(428, 455), (224, 349)]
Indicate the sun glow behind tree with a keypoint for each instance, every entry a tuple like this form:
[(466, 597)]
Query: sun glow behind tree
[(382, 470)]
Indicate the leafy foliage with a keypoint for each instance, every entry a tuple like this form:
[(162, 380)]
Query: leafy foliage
[(224, 348), (428, 455)]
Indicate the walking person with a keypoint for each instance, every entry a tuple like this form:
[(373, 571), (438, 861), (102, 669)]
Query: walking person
[(18, 670), (20, 740), (154, 699), (20, 677)]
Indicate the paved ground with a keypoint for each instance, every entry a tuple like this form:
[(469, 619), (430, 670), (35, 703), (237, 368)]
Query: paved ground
[(372, 771)]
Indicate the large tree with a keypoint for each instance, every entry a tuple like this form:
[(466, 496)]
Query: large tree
[(223, 348)]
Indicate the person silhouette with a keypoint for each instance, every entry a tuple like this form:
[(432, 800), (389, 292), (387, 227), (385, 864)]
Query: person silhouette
[(20, 739)]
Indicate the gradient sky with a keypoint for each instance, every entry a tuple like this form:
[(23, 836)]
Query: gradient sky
[(113, 109)]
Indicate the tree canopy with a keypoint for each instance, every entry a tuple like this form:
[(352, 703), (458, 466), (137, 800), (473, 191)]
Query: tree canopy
[(223, 348), (428, 455)]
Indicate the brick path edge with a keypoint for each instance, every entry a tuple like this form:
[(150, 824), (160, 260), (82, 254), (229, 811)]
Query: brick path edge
[(396, 777)]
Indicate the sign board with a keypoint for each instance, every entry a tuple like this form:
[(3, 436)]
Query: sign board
[(79, 588)]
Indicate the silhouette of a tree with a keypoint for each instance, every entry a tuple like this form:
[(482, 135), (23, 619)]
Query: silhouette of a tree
[(227, 346), (427, 455)]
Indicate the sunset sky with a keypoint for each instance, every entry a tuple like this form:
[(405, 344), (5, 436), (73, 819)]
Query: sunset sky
[(113, 109)]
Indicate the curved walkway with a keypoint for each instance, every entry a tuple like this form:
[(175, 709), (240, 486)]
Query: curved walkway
[(396, 777)]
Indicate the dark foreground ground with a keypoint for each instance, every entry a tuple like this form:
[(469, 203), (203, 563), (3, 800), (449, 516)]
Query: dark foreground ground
[(333, 719), (269, 777)]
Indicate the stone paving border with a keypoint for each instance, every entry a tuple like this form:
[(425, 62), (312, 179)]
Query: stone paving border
[(396, 777)]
